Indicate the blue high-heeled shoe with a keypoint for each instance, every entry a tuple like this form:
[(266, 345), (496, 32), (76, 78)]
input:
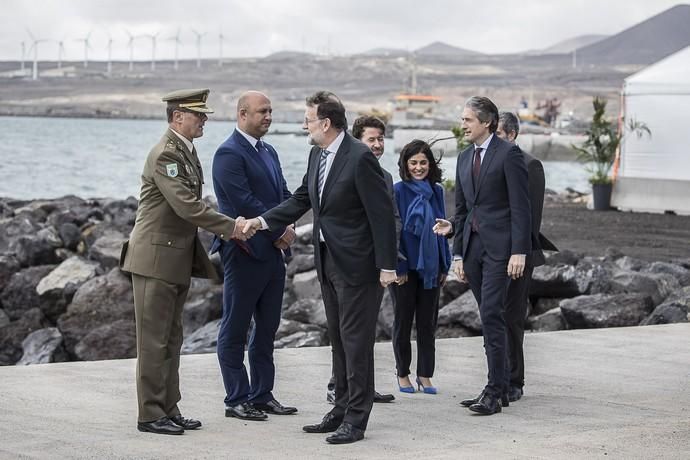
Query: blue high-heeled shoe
[(427, 390), (403, 389)]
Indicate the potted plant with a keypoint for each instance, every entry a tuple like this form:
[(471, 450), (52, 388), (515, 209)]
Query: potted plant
[(599, 152)]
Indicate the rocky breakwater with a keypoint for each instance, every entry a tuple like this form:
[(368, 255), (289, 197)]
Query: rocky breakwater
[(63, 298)]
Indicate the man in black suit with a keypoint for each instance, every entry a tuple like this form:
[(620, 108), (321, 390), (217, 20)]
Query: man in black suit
[(492, 234), (517, 297), (354, 251), (372, 131)]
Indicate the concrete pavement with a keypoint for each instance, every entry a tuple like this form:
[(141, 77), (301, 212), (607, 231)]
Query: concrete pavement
[(605, 393)]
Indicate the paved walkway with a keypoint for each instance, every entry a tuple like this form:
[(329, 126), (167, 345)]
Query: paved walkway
[(606, 393)]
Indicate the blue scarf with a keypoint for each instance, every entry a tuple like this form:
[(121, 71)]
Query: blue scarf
[(420, 221)]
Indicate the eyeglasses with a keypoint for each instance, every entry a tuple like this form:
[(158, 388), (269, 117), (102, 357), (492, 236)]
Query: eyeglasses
[(307, 120)]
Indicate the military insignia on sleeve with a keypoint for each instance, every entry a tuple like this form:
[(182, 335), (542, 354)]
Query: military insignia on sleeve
[(171, 169)]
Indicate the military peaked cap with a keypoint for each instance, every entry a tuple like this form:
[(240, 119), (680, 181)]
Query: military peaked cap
[(193, 100)]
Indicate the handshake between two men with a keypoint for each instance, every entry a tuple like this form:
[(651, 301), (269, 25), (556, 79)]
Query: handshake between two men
[(249, 227)]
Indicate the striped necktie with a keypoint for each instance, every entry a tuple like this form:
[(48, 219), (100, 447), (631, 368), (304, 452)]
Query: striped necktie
[(323, 159)]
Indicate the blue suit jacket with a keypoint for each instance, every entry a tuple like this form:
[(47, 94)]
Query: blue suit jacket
[(499, 200), (245, 186)]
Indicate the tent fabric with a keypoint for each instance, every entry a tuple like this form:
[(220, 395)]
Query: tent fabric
[(671, 75), (659, 97)]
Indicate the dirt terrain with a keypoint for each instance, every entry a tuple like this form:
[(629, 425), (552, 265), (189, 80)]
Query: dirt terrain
[(652, 237), (363, 82)]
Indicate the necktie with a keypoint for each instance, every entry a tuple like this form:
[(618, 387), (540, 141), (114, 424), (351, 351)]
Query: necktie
[(476, 168), (268, 161), (322, 169)]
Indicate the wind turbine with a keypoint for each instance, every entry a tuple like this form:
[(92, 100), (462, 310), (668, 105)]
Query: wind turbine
[(153, 49), (198, 47), (34, 46), (87, 45), (177, 41), (23, 55), (61, 51), (110, 54), (221, 37), (130, 44)]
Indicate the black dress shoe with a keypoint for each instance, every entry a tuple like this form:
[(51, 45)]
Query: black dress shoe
[(487, 405), (469, 402), (161, 426), (505, 402), (274, 407), (514, 394), (379, 398), (328, 425), (186, 423), (346, 434), (244, 411)]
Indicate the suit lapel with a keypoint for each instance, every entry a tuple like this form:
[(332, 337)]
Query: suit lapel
[(486, 164), (339, 162), (253, 154), (466, 171)]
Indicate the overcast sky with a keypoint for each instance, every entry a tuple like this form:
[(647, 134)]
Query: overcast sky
[(261, 27)]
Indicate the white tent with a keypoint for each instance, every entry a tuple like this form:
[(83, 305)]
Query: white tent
[(654, 171)]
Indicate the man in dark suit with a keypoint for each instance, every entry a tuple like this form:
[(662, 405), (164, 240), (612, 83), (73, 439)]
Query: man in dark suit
[(354, 251), (517, 297), (372, 131), (248, 180), (492, 234)]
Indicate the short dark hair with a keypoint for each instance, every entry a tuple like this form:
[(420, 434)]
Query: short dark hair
[(510, 123), (365, 122), (486, 111), (169, 111), (413, 148), (328, 105)]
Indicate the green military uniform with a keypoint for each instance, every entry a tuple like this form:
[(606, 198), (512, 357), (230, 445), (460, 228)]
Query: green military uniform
[(162, 254)]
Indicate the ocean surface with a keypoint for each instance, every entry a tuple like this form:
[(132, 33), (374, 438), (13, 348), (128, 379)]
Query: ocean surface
[(98, 158)]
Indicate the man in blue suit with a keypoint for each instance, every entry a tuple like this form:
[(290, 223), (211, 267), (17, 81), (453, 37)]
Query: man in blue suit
[(492, 235), (248, 181)]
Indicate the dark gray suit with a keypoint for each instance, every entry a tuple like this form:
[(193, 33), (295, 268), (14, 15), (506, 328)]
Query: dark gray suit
[(500, 204), (358, 227), (518, 290)]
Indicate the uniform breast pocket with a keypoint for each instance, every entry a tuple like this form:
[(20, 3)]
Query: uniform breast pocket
[(169, 250)]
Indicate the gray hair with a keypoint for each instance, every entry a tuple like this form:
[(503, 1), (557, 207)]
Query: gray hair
[(510, 123), (486, 111)]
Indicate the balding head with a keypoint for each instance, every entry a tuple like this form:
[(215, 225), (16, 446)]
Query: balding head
[(254, 113)]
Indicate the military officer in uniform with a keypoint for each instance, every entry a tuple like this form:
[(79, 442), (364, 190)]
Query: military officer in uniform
[(164, 252)]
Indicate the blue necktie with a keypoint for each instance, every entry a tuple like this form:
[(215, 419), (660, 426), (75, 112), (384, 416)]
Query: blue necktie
[(268, 161)]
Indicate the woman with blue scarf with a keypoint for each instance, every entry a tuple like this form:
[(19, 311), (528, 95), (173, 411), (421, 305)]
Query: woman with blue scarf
[(423, 271)]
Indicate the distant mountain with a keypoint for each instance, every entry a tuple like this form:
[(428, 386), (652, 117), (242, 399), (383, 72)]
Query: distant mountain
[(444, 49), (644, 43), (394, 52), (567, 46), (288, 55)]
